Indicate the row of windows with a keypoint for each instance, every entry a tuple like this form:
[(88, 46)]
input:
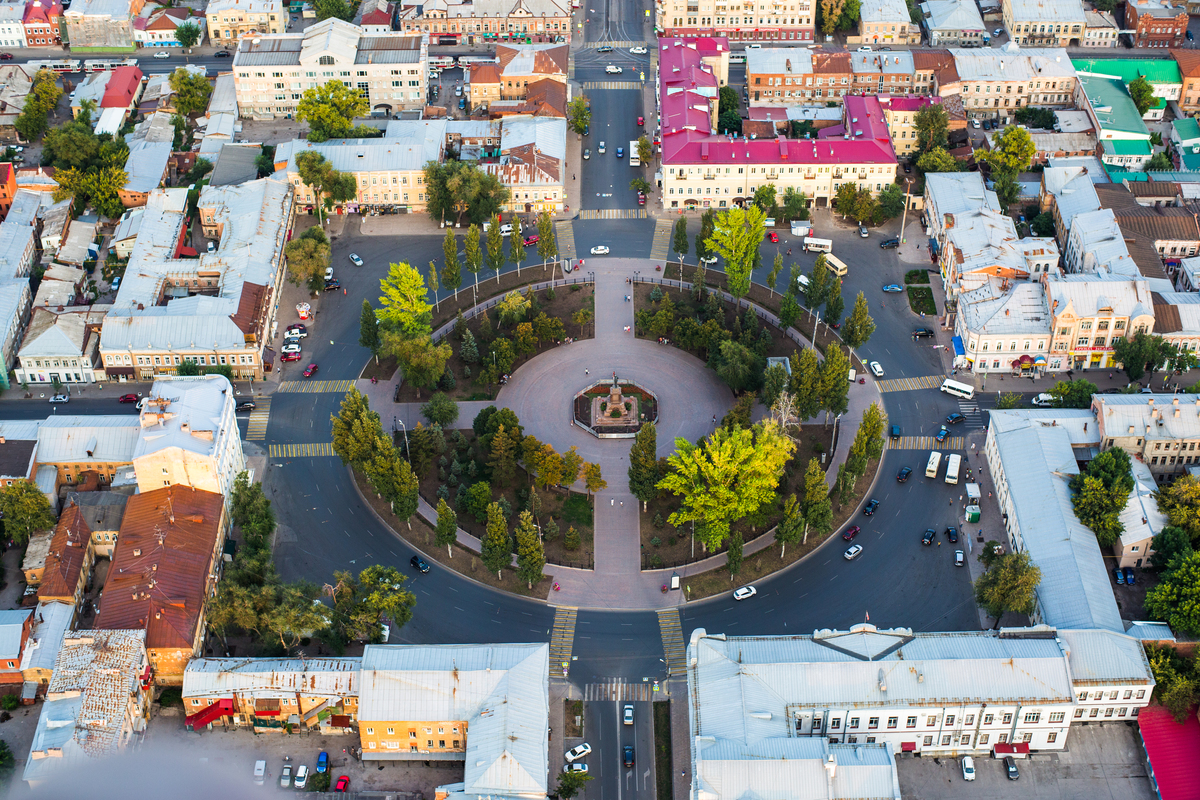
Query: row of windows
[(965, 739), (715, 190), (74, 362), (1011, 345), (1112, 695), (412, 733), (144, 361), (489, 27), (328, 61), (772, 172), (1029, 28)]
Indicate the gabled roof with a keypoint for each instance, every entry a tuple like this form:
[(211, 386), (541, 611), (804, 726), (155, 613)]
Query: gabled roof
[(67, 556), (1188, 61), (50, 624), (532, 59), (122, 87), (272, 677)]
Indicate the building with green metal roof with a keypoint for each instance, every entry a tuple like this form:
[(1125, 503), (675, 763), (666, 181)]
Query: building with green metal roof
[(1162, 73)]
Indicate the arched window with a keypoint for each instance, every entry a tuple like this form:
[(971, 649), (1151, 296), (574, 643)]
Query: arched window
[(326, 61)]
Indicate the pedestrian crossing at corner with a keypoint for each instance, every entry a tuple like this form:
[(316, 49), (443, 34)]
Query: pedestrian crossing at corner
[(619, 690), (617, 45), (565, 233), (306, 450), (256, 428), (952, 443), (672, 636), (591, 86), (615, 213), (562, 638), (316, 387), (909, 384), (972, 415), (662, 239)]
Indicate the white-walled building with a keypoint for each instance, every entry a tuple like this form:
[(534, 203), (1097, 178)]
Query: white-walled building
[(1004, 327)]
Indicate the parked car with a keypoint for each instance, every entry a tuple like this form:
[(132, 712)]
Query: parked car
[(322, 761), (923, 333), (418, 563), (929, 536), (290, 347), (1119, 576), (627, 755), (310, 370), (968, 768), (627, 714), (853, 552), (902, 476), (773, 236), (1010, 768), (328, 274), (60, 398), (333, 285), (343, 784), (870, 507), (162, 54), (744, 593), (578, 752), (889, 244), (6, 56), (222, 54), (641, 121), (862, 231), (1043, 400), (290, 356), (301, 781), (575, 767), (952, 534), (285, 775), (297, 330), (127, 398), (893, 288), (960, 558), (354, 259), (245, 405), (1130, 580), (850, 533)]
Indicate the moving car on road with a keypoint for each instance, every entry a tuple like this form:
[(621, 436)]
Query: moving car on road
[(942, 434), (889, 244), (355, 260), (587, 154), (870, 507), (604, 48), (862, 231), (853, 552), (600, 250), (612, 69), (245, 405), (902, 477), (638, 51), (954, 418), (60, 398), (960, 558), (627, 714), (418, 563), (127, 398), (876, 370), (627, 756), (851, 532), (773, 236), (952, 534), (744, 592), (310, 370), (929, 536), (1043, 400)]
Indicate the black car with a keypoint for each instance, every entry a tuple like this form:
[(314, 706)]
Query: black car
[(952, 534), (1010, 768), (333, 285), (902, 477), (923, 333), (222, 54), (627, 757), (245, 405), (889, 244), (418, 563), (954, 419), (929, 536), (870, 507)]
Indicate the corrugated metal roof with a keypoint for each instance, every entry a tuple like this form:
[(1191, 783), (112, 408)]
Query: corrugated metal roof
[(12, 626), (1150, 416), (68, 439), (50, 624), (500, 690), (191, 413), (794, 769), (272, 677), (1106, 657), (1150, 631), (147, 164)]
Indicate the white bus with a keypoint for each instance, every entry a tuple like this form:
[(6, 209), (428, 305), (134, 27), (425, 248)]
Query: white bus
[(935, 461), (634, 159), (441, 62), (107, 65), (958, 389), (812, 244), (952, 463), (836, 265)]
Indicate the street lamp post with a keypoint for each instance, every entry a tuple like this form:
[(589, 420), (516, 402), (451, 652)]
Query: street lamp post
[(904, 214), (407, 451)]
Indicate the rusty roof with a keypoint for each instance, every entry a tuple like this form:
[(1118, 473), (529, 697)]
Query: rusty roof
[(103, 667), (67, 556), (250, 316), (272, 677), (1141, 250), (485, 73), (1152, 188), (1188, 61), (1160, 224), (1166, 315), (159, 575), (825, 63)]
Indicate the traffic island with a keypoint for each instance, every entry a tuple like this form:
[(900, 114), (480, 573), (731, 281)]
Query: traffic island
[(614, 409)]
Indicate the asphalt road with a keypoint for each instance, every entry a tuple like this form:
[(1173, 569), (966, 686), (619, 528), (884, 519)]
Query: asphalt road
[(608, 735)]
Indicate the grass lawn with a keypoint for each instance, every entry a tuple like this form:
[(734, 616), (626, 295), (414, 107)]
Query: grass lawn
[(664, 772), (916, 276), (566, 301), (920, 300)]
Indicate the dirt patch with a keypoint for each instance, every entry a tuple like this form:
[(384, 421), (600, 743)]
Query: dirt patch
[(665, 546), (573, 718), (381, 371), (561, 303)]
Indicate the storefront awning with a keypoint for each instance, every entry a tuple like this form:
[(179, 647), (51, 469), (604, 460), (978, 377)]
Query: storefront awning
[(908, 747), (959, 350), (1019, 749), (1023, 361), (1039, 360)]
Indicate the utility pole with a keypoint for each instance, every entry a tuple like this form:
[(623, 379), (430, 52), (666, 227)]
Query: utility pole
[(904, 214)]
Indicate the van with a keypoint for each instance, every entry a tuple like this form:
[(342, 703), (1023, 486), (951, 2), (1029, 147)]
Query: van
[(957, 389), (802, 282), (836, 265), (853, 375), (260, 772), (812, 244)]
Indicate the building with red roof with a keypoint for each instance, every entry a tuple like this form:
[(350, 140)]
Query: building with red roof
[(687, 18), (706, 168), (124, 85), (1173, 750), (901, 116), (42, 20)]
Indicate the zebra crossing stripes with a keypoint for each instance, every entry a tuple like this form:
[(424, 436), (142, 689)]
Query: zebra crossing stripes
[(589, 86), (672, 636), (306, 450), (615, 213), (909, 384), (952, 443), (619, 690), (562, 638), (662, 239), (256, 428), (971, 413), (621, 45), (316, 387), (565, 233)]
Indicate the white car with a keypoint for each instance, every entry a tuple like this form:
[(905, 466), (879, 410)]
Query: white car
[(968, 767), (975, 124), (506, 229), (638, 51), (612, 69), (876, 370), (599, 250), (865, 49), (1044, 400), (301, 781), (162, 54), (354, 259), (853, 552), (575, 768), (579, 752), (708, 260), (329, 273), (627, 715), (600, 149), (291, 347), (60, 398), (744, 593), (998, 32)]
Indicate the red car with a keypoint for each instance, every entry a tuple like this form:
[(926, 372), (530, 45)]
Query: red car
[(641, 199), (530, 241), (127, 398), (290, 357), (343, 783), (773, 236), (310, 370), (850, 533), (641, 120)]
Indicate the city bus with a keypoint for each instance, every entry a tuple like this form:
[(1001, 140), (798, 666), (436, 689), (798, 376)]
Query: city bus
[(958, 389), (634, 159), (952, 463), (935, 461), (812, 244), (836, 265)]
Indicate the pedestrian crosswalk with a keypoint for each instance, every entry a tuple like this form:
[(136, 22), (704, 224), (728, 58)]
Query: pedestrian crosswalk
[(306, 450), (620, 690), (909, 384), (952, 443), (256, 428), (672, 636), (589, 86), (618, 45), (562, 639), (316, 387), (565, 233), (615, 213), (972, 414), (662, 239)]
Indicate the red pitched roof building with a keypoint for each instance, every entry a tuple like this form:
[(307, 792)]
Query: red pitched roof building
[(42, 23)]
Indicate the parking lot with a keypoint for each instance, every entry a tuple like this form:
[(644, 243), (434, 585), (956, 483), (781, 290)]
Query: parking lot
[(1100, 762)]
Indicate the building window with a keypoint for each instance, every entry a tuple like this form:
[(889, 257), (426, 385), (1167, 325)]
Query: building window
[(983, 738), (893, 721), (1056, 716), (873, 723), (911, 722), (1007, 719), (1051, 737), (854, 722), (1033, 717)]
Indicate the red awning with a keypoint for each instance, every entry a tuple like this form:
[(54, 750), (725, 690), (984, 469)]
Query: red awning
[(340, 720), (908, 747), (1172, 747), (188, 252), (1019, 749)]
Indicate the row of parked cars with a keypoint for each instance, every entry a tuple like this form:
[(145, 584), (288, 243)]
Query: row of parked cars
[(300, 776)]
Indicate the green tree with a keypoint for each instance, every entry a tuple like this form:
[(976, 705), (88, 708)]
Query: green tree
[(495, 247), (939, 160), (776, 269), (572, 463), (1180, 501), (790, 528), (570, 783), (465, 189), (191, 90), (834, 384), (41, 101), (98, 186), (1008, 584), (1096, 507), (764, 198), (1005, 400), (1043, 224), (446, 531), (736, 235), (644, 150), (403, 306), (734, 558), (496, 549), (805, 384), (858, 326), (1142, 93), (516, 244), (1008, 191), (933, 128), (891, 201), (503, 459), (25, 509), (593, 479), (472, 253), (834, 304), (330, 109), (729, 476), (1169, 544), (708, 221), (1012, 151), (368, 329), (547, 247), (328, 186), (679, 241), (1159, 162), (7, 763), (1176, 683), (440, 410), (815, 508), (729, 120), (818, 283), (1073, 394), (737, 365), (187, 34), (775, 381), (294, 615), (1176, 598), (355, 429), (640, 184), (846, 200), (335, 9), (795, 204), (1141, 353), (513, 308), (451, 268), (308, 257), (579, 113), (423, 362), (531, 558), (643, 464)]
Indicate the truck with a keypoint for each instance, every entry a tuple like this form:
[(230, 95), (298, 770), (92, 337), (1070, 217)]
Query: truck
[(634, 159)]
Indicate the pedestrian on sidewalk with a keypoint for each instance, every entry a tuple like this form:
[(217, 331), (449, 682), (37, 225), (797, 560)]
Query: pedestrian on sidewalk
[(586, 372), (610, 501)]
